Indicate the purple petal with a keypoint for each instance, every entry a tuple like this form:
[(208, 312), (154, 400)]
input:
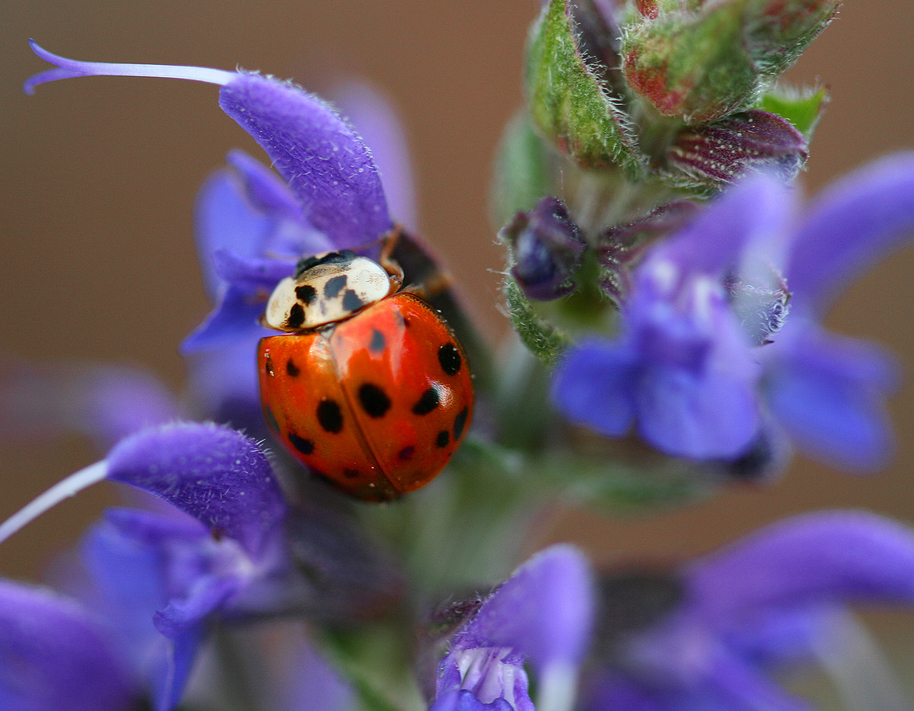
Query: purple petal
[(215, 474), (55, 655), (313, 685), (594, 385), (544, 611), (234, 320), (223, 386), (707, 416), (375, 119), (324, 161), (754, 209), (183, 615), (225, 220), (829, 394), (464, 700), (263, 188), (855, 222), (814, 558)]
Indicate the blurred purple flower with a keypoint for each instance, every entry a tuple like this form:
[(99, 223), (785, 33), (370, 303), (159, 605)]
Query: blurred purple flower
[(158, 580), (541, 616), (709, 635), (681, 369), (684, 370)]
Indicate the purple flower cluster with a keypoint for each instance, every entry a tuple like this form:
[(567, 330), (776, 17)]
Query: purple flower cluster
[(223, 543), (706, 370)]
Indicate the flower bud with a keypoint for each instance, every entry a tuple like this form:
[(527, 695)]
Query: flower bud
[(700, 65), (546, 250), (724, 151)]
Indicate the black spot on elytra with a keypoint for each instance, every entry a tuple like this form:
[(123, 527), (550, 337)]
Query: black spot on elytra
[(460, 422), (449, 358), (377, 341), (296, 316), (443, 439), (351, 301), (292, 369), (334, 286), (374, 400), (305, 446), (306, 293), (428, 402), (268, 366), (407, 453), (350, 474), (330, 416)]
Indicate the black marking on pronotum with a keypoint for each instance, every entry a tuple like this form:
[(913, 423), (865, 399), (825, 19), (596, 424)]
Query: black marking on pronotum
[(351, 301), (292, 369), (407, 453), (334, 286), (350, 474), (428, 402), (460, 422), (305, 446), (306, 293), (449, 358), (341, 257), (377, 341), (374, 400), (330, 416), (296, 316), (443, 439)]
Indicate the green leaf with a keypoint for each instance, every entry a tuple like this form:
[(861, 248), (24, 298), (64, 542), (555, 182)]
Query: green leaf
[(542, 338), (567, 101), (803, 107)]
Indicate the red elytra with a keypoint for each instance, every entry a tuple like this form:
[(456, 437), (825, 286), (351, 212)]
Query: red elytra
[(377, 403)]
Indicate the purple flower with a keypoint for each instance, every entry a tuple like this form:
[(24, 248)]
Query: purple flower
[(686, 371), (159, 580), (710, 634), (541, 616), (681, 369)]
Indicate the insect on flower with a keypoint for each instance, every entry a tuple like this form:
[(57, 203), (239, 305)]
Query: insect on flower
[(369, 387)]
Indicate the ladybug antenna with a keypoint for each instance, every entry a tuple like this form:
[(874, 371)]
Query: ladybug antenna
[(73, 484), (70, 68)]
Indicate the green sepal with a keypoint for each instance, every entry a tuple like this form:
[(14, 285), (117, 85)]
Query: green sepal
[(802, 107), (569, 104), (543, 339), (522, 170)]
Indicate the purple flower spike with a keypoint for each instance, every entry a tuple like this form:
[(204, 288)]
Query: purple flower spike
[(543, 615), (325, 162), (54, 654), (215, 474)]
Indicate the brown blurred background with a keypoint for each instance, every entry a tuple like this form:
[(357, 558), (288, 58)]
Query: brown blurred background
[(99, 176)]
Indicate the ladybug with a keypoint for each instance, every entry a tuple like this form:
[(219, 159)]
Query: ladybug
[(368, 387)]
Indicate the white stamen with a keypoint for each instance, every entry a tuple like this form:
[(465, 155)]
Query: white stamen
[(73, 484), (70, 68)]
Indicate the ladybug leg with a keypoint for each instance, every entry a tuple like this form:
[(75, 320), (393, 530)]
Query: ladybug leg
[(386, 260), (434, 284)]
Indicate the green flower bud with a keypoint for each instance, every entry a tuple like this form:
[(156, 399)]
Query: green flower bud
[(700, 61)]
